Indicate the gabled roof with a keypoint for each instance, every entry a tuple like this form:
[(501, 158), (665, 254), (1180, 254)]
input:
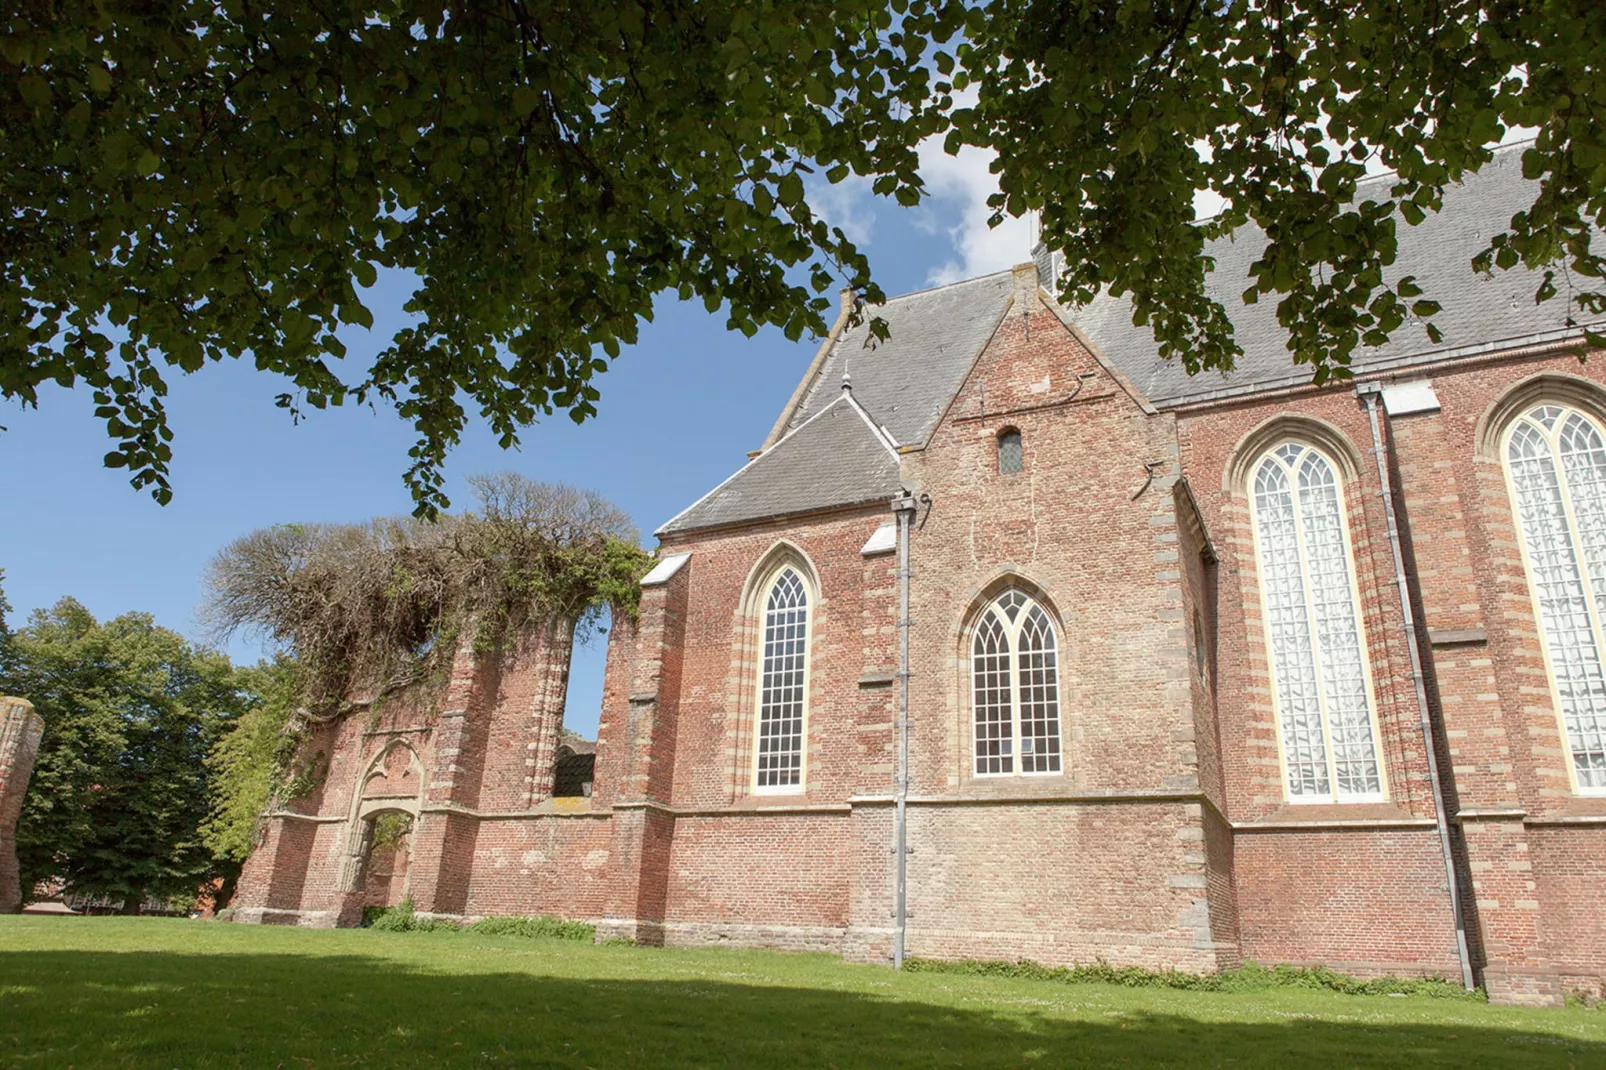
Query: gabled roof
[(836, 457), (834, 453), (908, 380), (1478, 314)]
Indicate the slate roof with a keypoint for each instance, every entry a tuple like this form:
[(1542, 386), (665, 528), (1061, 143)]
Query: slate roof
[(909, 379), (831, 454), (835, 457), (1479, 314)]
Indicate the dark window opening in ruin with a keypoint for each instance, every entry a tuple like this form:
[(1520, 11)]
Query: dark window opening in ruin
[(1009, 451), (387, 850), (575, 769)]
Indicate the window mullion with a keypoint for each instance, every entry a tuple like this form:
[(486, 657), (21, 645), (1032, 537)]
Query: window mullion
[(1297, 496), (1013, 637), (1575, 539)]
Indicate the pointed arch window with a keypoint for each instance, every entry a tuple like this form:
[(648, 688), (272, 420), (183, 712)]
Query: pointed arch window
[(1014, 670), (1556, 459), (1327, 724), (783, 686)]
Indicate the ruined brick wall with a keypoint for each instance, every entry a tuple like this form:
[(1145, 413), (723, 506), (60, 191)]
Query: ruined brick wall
[(20, 731), (475, 749)]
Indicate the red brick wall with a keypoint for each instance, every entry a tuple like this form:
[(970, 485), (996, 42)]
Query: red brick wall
[(768, 880), (1363, 901), (1060, 883), (1166, 840), (548, 864), (1105, 562), (1568, 866), (851, 634), (1500, 745)]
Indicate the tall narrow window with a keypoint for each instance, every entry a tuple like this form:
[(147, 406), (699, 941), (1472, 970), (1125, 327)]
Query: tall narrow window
[(1557, 460), (1014, 672), (1313, 629), (1009, 451), (783, 685)]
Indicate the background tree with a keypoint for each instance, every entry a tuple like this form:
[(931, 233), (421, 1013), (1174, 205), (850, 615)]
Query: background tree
[(7, 650), (202, 180), (120, 785), (249, 765)]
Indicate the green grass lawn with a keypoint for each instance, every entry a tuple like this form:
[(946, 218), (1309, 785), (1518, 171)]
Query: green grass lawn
[(92, 992)]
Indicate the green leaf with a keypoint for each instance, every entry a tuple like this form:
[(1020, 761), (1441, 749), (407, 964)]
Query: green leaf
[(789, 191)]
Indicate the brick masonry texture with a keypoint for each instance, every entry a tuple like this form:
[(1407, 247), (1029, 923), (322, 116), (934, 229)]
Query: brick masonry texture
[(20, 731), (1166, 840)]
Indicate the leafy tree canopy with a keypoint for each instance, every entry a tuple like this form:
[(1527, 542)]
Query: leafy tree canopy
[(120, 785), (249, 763), (1108, 116), (197, 181)]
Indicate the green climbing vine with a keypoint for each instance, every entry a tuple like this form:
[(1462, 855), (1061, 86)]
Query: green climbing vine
[(361, 612), (369, 609)]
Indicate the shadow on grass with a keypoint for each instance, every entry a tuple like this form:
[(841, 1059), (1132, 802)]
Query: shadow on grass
[(147, 1009)]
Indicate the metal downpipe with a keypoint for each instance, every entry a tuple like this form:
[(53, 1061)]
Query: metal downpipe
[(1370, 393), (904, 508)]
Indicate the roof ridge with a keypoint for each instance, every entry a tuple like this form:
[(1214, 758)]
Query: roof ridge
[(881, 434), (944, 286), (1392, 173)]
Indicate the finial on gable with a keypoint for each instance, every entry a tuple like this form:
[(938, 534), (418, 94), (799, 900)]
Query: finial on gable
[(847, 382)]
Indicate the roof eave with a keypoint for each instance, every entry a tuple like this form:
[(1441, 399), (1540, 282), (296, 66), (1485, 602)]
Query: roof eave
[(771, 518)]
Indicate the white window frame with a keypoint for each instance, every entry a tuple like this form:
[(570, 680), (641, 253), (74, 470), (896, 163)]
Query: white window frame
[(1597, 628), (1012, 630), (1333, 796), (811, 601)]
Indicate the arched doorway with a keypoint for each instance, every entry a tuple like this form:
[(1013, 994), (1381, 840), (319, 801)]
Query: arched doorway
[(387, 837)]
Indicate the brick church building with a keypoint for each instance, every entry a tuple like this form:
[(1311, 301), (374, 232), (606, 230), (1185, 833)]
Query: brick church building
[(1199, 669)]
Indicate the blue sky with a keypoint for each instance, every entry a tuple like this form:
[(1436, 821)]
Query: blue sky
[(678, 413)]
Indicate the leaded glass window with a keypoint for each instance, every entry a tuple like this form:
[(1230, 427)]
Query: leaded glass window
[(782, 685), (1557, 460), (1313, 630), (1009, 452), (1014, 673)]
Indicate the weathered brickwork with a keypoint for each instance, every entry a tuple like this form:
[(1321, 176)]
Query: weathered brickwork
[(1166, 838), (20, 732)]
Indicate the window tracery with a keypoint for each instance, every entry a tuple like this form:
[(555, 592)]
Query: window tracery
[(1326, 720), (783, 686), (1556, 460), (1015, 689)]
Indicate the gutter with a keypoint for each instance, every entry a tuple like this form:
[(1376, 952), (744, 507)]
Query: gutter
[(1371, 395), (1414, 364)]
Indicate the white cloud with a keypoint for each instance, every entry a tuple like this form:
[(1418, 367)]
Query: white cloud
[(959, 187), (848, 204), (956, 207)]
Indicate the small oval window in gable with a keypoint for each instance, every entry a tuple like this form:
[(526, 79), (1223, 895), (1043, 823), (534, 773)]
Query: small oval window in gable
[(1009, 451)]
